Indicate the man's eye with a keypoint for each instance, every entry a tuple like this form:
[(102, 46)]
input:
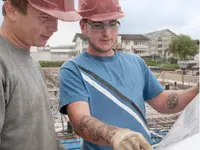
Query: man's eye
[(44, 17), (113, 25)]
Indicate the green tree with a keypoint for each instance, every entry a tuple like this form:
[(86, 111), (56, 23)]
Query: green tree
[(183, 46)]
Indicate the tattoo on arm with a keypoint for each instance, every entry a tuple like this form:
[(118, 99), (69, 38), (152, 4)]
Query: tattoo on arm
[(96, 129), (172, 100), (110, 133)]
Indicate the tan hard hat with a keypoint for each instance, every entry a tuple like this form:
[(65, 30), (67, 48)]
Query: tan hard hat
[(100, 10), (61, 9)]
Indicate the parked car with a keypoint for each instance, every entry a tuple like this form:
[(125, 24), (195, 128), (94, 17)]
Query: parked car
[(195, 70)]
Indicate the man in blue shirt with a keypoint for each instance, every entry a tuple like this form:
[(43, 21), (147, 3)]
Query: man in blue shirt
[(103, 91), (26, 121)]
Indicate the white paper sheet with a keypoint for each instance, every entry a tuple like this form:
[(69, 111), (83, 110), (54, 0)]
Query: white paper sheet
[(185, 127)]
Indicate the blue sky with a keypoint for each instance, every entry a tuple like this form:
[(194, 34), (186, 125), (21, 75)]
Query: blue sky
[(180, 16)]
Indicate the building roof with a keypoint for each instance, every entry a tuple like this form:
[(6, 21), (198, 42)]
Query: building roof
[(63, 47), (79, 35), (62, 50), (123, 37), (133, 37), (161, 31)]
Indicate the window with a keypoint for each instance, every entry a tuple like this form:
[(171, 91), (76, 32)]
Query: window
[(159, 38), (159, 45), (127, 42), (137, 43)]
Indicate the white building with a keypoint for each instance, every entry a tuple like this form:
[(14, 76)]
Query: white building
[(81, 42), (159, 42), (133, 43), (57, 53), (41, 53), (63, 53)]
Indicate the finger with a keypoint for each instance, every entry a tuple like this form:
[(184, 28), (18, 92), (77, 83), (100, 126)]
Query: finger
[(131, 143), (144, 145), (129, 146)]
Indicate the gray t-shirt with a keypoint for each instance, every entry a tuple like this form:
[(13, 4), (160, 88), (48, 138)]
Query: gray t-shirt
[(26, 121)]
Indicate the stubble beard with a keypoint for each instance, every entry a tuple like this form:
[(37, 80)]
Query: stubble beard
[(98, 49)]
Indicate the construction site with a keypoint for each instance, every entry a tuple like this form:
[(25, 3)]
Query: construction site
[(159, 124)]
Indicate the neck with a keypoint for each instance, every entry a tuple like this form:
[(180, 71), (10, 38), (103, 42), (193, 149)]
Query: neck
[(93, 51), (8, 33)]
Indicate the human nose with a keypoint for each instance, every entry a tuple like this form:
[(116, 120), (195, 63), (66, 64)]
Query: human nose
[(106, 30)]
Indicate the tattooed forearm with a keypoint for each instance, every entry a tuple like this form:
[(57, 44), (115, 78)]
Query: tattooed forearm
[(95, 129), (172, 100), (111, 132)]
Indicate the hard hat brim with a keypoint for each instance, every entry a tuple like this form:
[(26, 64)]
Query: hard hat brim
[(106, 16), (68, 16)]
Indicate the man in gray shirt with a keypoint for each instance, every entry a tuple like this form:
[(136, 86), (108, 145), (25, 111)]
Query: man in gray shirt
[(26, 121)]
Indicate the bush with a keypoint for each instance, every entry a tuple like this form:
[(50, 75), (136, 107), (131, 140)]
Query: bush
[(51, 63), (173, 60), (151, 62), (169, 66)]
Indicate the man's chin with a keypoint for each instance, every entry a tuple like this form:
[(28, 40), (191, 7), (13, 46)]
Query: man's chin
[(106, 49), (41, 44)]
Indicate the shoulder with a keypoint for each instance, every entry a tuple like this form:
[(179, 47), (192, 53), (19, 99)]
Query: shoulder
[(70, 64), (5, 47), (4, 61), (5, 53), (70, 68), (133, 58), (8, 62), (74, 63)]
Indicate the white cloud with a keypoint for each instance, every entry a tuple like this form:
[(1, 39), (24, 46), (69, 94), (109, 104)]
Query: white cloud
[(146, 16)]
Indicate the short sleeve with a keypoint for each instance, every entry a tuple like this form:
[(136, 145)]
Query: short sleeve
[(71, 86), (152, 86)]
